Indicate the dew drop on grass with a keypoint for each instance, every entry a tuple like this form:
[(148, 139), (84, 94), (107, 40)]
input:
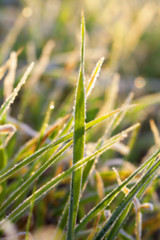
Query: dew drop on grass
[(52, 106)]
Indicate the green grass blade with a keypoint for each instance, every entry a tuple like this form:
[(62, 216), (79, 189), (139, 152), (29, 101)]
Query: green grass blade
[(128, 199), (106, 201), (94, 76), (78, 142), (13, 95)]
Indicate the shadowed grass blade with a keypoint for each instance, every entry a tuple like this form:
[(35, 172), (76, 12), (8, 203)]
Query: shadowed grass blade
[(94, 77), (13, 95)]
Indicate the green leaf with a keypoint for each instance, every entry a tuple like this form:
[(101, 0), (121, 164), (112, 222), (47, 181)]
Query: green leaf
[(78, 142), (94, 76)]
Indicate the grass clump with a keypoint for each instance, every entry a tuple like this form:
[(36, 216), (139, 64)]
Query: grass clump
[(65, 167)]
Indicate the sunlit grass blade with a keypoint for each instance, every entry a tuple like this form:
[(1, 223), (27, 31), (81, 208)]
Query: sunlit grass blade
[(94, 77), (78, 142), (10, 78), (106, 201), (7, 64), (41, 192), (7, 173), (135, 189), (13, 95), (42, 63), (155, 132)]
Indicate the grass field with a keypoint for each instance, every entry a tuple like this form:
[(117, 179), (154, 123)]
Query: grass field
[(79, 132)]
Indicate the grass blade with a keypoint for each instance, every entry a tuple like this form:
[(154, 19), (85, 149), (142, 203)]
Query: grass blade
[(94, 76), (78, 142), (13, 95)]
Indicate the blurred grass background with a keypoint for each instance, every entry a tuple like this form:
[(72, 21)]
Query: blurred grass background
[(127, 33)]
